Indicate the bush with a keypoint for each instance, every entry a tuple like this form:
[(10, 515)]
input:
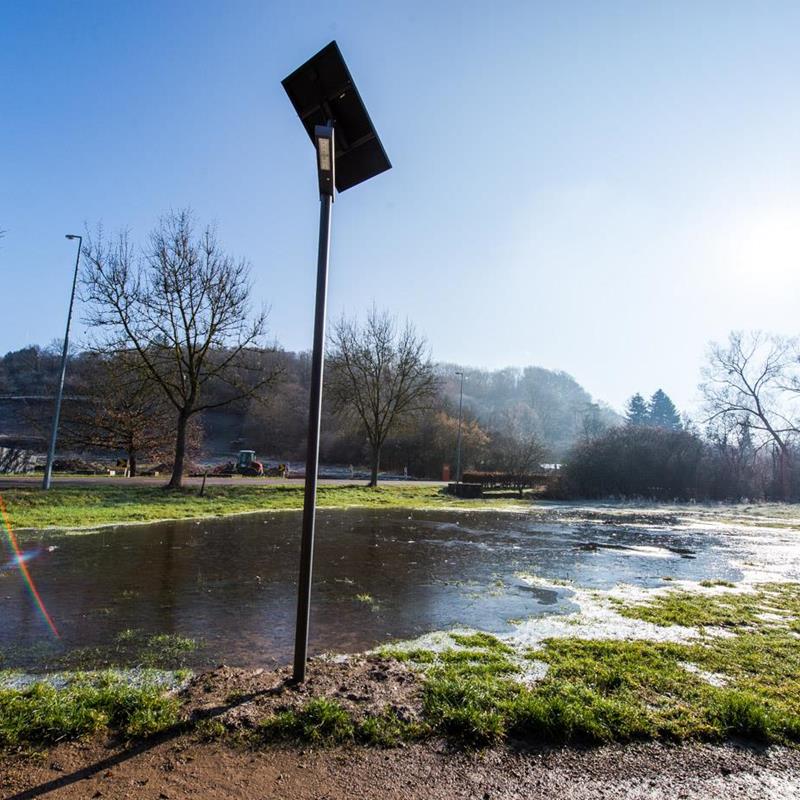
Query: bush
[(638, 461)]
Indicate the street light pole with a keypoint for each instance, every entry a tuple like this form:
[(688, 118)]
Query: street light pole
[(458, 446), (48, 470), (324, 159)]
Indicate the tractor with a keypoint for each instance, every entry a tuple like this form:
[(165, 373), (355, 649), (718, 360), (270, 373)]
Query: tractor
[(246, 464)]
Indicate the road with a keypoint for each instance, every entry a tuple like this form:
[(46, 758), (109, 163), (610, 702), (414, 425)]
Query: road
[(22, 481)]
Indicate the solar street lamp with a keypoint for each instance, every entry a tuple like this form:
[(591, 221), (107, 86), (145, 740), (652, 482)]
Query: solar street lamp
[(348, 152)]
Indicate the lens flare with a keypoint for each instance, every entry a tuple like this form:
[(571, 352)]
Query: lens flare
[(26, 556), (20, 558)]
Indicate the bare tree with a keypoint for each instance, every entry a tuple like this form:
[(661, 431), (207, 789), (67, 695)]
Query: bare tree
[(749, 381), (517, 449), (380, 375), (182, 305)]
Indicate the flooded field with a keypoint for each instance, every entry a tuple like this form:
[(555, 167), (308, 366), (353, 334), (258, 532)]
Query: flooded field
[(379, 575)]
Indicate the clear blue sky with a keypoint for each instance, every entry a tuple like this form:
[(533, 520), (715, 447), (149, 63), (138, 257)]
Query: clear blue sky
[(595, 187)]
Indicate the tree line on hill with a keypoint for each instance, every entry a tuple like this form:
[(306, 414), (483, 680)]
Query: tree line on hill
[(110, 409), (176, 363)]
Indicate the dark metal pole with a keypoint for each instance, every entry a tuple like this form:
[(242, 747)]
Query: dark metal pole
[(48, 470), (312, 452), (458, 446)]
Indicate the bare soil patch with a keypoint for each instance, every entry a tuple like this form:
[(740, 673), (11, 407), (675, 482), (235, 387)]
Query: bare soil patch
[(362, 685)]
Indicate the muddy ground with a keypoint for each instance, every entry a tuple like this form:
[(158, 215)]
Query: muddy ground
[(182, 767), (178, 764)]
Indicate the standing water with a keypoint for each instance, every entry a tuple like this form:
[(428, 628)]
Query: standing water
[(378, 575)]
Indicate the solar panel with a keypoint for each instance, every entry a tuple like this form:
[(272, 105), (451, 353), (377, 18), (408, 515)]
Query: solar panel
[(323, 90)]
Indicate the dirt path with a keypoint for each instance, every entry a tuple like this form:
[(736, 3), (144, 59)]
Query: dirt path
[(186, 768)]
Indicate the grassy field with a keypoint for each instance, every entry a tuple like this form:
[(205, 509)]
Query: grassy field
[(477, 690), (86, 506)]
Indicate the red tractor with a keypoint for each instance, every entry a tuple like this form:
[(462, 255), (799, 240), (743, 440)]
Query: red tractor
[(247, 464)]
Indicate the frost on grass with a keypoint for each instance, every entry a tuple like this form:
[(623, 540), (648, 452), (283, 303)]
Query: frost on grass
[(711, 678), (172, 680), (597, 618)]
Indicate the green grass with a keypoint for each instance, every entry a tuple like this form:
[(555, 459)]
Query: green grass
[(322, 721), (599, 692), (482, 640), (72, 507), (745, 684), (728, 610), (742, 685), (134, 648), (42, 714)]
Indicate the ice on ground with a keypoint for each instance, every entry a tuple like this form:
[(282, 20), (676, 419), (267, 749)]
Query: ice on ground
[(532, 671), (712, 678), (596, 619)]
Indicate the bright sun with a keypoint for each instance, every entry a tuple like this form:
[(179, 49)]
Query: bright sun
[(767, 245)]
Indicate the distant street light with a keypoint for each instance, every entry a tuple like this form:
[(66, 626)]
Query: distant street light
[(48, 470), (458, 446), (325, 98)]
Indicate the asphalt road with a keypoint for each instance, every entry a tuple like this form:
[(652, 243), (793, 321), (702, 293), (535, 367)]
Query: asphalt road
[(19, 481)]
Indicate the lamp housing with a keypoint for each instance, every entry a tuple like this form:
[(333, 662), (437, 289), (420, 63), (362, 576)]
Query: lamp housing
[(326, 158)]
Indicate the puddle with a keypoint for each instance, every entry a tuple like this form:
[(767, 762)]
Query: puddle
[(231, 583)]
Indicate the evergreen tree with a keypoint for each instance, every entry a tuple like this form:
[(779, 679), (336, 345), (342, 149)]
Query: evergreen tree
[(663, 413), (637, 412)]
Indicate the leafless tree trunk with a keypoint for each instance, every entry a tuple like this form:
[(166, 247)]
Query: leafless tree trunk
[(749, 380), (379, 375), (183, 307)]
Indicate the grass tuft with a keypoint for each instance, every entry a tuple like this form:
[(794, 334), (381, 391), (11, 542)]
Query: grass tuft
[(480, 639), (388, 730), (42, 714), (320, 721)]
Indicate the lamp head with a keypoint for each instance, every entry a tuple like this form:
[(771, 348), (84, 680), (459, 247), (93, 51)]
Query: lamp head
[(326, 158), (72, 236)]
